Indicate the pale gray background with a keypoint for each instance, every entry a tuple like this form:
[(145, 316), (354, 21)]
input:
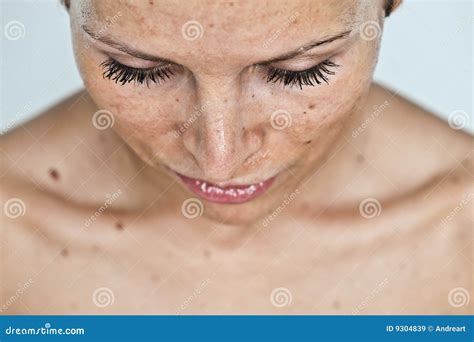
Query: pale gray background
[(426, 56)]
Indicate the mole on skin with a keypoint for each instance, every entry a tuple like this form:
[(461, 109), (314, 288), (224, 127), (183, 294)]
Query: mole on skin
[(54, 174)]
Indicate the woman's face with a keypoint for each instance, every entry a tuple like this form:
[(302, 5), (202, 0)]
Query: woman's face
[(227, 92)]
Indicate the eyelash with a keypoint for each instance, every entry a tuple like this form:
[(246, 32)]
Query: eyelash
[(316, 74), (123, 74)]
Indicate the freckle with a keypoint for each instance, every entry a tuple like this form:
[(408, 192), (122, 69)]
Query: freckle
[(336, 304), (231, 4), (253, 95), (211, 25), (360, 158), (177, 100), (54, 174), (304, 112), (64, 252), (150, 2), (225, 100), (311, 106), (207, 253), (154, 278), (119, 225), (308, 142)]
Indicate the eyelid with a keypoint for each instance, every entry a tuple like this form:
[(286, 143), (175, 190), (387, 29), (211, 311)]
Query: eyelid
[(312, 76), (124, 74), (137, 63), (313, 57)]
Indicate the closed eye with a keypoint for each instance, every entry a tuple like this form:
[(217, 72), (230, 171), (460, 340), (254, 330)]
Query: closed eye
[(120, 73), (309, 77)]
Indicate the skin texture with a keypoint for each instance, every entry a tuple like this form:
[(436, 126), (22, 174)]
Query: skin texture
[(306, 234)]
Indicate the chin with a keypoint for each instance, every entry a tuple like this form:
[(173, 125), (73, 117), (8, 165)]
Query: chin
[(247, 214)]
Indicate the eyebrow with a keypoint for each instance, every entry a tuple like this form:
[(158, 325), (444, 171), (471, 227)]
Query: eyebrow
[(138, 54), (306, 47), (123, 47)]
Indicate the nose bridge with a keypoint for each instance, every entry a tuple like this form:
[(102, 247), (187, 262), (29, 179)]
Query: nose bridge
[(219, 144)]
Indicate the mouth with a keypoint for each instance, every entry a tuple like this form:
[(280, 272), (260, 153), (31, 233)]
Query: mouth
[(229, 194)]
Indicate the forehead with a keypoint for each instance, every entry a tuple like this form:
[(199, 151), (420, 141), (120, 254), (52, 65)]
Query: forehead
[(234, 27)]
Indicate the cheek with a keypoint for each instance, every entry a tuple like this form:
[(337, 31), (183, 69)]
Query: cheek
[(329, 107), (148, 113)]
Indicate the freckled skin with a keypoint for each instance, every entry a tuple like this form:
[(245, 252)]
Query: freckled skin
[(318, 245), (215, 147)]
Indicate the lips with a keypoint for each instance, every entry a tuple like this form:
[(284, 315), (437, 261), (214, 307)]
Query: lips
[(231, 194)]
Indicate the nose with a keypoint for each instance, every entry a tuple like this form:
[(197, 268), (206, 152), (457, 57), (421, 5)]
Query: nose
[(218, 138)]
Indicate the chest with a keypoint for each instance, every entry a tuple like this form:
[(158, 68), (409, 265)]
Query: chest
[(302, 273)]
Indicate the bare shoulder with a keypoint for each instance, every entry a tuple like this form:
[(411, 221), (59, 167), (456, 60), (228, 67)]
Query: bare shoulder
[(34, 150), (412, 147), (59, 152)]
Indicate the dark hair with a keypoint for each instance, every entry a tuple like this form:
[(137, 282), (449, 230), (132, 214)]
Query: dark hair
[(389, 7)]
